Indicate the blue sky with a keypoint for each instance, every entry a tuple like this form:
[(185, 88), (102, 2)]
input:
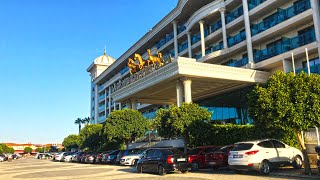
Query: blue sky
[(45, 48)]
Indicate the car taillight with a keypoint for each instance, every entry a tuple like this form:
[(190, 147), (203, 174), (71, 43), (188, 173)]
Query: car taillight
[(189, 159), (252, 152), (170, 160)]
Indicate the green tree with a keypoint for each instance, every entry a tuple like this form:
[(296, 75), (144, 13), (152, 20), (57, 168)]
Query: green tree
[(27, 150), (86, 120), (287, 102), (179, 121), (6, 149), (125, 125), (1, 150), (79, 121), (91, 136), (71, 141)]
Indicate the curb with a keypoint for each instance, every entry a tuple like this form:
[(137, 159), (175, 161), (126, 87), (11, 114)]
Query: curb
[(296, 175)]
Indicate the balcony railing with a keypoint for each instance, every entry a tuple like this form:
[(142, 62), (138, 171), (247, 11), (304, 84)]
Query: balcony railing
[(102, 97), (285, 45), (234, 14), (124, 70), (214, 48), (197, 56), (183, 46), (254, 3), (233, 40), (195, 38), (101, 108), (313, 69), (100, 87), (166, 39), (181, 28), (102, 118), (280, 16), (171, 52), (217, 25), (238, 63)]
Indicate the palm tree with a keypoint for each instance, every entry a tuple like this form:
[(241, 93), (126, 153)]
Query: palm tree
[(86, 120), (79, 121)]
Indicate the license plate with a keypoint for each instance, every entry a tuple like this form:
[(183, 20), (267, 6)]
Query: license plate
[(237, 156), (213, 163), (181, 159)]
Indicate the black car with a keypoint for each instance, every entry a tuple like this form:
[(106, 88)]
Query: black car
[(163, 160)]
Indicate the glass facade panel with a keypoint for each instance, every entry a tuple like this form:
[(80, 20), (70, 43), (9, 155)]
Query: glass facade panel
[(229, 107), (254, 3), (234, 14)]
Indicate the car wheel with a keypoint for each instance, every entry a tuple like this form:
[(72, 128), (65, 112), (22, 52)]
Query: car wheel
[(194, 166), (184, 171), (297, 163), (139, 169), (161, 170), (134, 163), (264, 167)]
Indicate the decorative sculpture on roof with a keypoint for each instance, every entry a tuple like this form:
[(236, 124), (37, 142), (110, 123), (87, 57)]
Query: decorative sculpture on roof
[(143, 63)]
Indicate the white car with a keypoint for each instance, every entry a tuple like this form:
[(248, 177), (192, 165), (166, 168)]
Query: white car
[(69, 157), (131, 160), (60, 156), (262, 155)]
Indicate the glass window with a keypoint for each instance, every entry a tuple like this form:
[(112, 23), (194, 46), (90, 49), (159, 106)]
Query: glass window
[(157, 154), (266, 144), (242, 146), (194, 151), (278, 144), (150, 153)]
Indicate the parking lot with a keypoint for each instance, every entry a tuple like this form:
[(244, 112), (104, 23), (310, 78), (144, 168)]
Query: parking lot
[(30, 168)]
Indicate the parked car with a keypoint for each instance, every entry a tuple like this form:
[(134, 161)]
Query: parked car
[(218, 158), (60, 156), (163, 160), (2, 157), (132, 159), (197, 156), (68, 157), (262, 155), (123, 153), (77, 156), (110, 158), (91, 157)]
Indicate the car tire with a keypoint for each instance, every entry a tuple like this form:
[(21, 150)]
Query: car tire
[(134, 162), (264, 167), (297, 162), (161, 170), (195, 166), (139, 169), (184, 171)]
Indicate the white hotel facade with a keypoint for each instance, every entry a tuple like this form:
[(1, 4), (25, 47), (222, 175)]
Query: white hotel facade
[(219, 50)]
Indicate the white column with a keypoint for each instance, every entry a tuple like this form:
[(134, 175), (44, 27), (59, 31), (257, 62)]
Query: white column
[(179, 90), (189, 44), (96, 103), (224, 29), (128, 103), (175, 38), (316, 20), (120, 106), (187, 89), (114, 106), (109, 103), (134, 104), (203, 45), (248, 30)]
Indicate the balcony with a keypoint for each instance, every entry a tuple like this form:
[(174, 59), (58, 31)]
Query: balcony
[(195, 38), (101, 108), (280, 16), (102, 97), (234, 14), (254, 3), (197, 56), (165, 40), (214, 48), (216, 26), (286, 44), (239, 63), (313, 69), (233, 40), (124, 70), (102, 118), (181, 28), (171, 52), (183, 46), (100, 87)]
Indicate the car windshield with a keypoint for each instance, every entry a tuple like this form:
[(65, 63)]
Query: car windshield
[(194, 151), (242, 146)]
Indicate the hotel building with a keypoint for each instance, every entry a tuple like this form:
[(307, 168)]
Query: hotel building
[(215, 51)]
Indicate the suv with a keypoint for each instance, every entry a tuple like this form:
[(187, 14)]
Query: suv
[(196, 156), (261, 155)]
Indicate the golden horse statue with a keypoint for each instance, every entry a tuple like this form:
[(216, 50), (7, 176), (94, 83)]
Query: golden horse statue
[(142, 62), (133, 66), (154, 59)]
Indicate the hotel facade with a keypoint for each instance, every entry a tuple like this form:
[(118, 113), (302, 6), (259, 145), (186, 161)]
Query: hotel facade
[(213, 53)]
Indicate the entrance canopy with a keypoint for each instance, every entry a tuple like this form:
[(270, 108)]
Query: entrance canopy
[(162, 86)]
